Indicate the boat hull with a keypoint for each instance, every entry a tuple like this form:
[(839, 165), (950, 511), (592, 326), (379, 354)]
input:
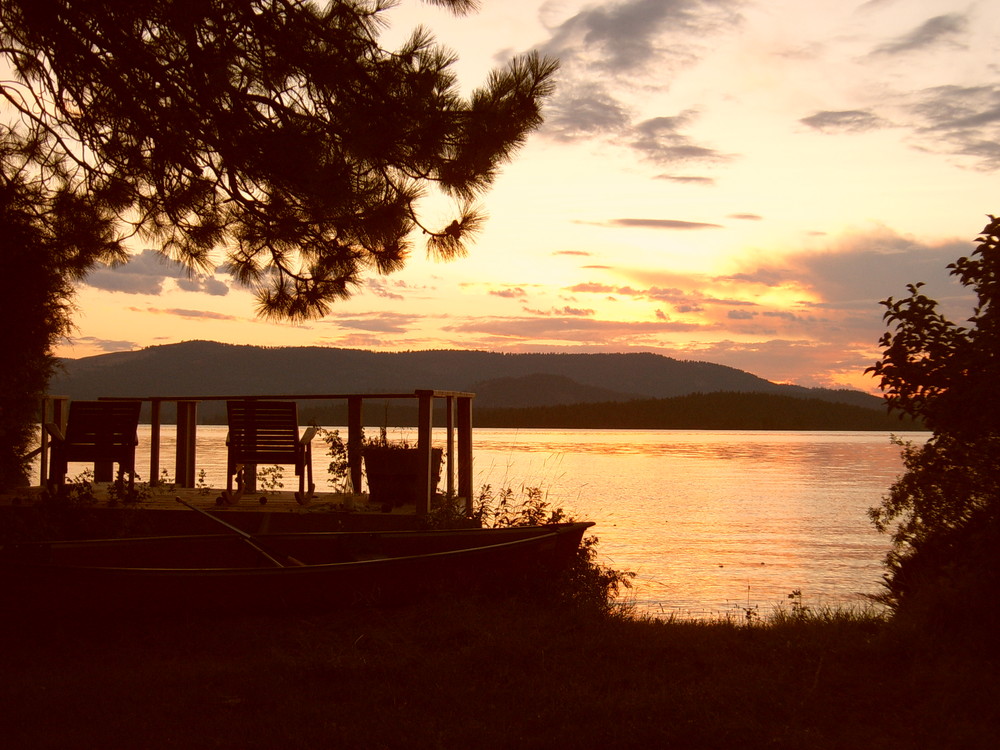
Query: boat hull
[(321, 571)]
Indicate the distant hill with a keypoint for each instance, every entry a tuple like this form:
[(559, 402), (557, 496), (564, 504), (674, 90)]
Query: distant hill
[(501, 381), (542, 389)]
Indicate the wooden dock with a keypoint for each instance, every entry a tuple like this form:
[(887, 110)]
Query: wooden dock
[(458, 477), (157, 512)]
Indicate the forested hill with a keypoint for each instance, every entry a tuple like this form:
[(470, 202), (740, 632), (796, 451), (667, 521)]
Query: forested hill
[(500, 381), (702, 411)]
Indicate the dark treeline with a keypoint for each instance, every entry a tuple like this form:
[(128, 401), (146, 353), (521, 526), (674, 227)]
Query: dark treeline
[(701, 411), (390, 413)]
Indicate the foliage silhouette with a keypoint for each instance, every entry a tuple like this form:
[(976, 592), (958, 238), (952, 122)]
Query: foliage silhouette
[(946, 540), (275, 138), (49, 239), (278, 129)]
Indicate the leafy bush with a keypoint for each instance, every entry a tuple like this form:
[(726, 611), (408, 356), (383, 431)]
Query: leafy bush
[(591, 586), (508, 507), (942, 570), (338, 470), (586, 585)]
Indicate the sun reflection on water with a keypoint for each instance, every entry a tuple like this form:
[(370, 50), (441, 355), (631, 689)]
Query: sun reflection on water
[(714, 521), (711, 521)]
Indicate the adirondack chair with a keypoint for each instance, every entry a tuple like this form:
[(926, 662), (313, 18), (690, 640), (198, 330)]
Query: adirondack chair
[(98, 432), (267, 432)]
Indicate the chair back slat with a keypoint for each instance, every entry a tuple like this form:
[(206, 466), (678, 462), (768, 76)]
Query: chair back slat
[(99, 432), (262, 432), (102, 430)]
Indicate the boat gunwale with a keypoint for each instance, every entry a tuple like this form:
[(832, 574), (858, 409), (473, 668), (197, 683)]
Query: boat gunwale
[(552, 531)]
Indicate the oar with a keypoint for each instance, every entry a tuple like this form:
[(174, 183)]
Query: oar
[(248, 538)]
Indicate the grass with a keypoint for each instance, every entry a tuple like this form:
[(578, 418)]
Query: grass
[(489, 674), (550, 670)]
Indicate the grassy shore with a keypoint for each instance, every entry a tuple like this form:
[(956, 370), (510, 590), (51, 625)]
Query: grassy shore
[(488, 673)]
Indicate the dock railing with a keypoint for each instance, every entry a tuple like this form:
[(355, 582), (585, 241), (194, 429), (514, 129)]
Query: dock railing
[(458, 438)]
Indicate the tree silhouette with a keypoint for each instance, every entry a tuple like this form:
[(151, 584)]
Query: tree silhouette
[(275, 138), (946, 545), (276, 129)]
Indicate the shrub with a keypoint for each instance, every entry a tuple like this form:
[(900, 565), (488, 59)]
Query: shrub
[(942, 570)]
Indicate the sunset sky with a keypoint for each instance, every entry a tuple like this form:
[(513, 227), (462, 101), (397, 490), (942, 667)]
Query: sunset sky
[(732, 181)]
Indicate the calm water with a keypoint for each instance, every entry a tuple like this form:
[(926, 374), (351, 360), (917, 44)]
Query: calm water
[(711, 521), (716, 521)]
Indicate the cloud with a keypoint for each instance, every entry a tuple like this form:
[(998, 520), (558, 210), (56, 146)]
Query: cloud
[(664, 295), (954, 119), (811, 311), (765, 276), (583, 253), (199, 314), (147, 273), (628, 36), (373, 341), (830, 294), (864, 269), (844, 121), (686, 179), (380, 288), (584, 110), (661, 224), (943, 29), (960, 120), (819, 363), (378, 322), (184, 313), (662, 140), (688, 309), (143, 274), (588, 111), (747, 217), (609, 51), (569, 328), (833, 293), (509, 293), (564, 311), (873, 4), (784, 314), (105, 345), (596, 288), (697, 298), (204, 284)]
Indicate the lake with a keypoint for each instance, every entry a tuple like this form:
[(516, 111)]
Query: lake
[(712, 522)]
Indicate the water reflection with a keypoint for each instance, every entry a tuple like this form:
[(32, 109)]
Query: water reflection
[(714, 521), (711, 521)]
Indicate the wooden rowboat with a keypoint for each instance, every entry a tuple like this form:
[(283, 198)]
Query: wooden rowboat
[(274, 572)]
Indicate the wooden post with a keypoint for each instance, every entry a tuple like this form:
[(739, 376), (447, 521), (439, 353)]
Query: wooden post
[(43, 443), (187, 429), (450, 445), (59, 413), (154, 442), (104, 471), (425, 419), (250, 470), (465, 451), (355, 430)]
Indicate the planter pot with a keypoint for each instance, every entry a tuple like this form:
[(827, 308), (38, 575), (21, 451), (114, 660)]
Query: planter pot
[(393, 474)]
